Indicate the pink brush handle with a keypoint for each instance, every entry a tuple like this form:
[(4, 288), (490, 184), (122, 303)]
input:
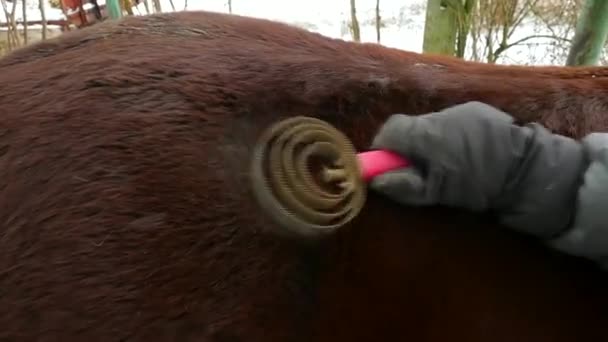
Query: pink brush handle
[(374, 163)]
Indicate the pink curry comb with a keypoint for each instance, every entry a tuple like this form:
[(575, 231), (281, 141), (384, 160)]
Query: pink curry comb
[(377, 162), (308, 177)]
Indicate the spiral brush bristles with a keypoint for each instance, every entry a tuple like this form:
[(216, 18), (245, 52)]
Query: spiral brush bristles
[(306, 176)]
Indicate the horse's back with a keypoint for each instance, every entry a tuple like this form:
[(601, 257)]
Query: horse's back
[(128, 216)]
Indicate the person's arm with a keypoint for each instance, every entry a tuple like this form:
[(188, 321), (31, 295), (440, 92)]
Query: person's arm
[(474, 157), (588, 235)]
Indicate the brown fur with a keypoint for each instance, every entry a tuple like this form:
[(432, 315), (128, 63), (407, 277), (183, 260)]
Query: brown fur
[(127, 214)]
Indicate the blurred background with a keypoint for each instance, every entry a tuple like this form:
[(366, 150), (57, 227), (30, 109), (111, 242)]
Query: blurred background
[(528, 32)]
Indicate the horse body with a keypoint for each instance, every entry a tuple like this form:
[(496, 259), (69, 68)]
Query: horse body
[(127, 213)]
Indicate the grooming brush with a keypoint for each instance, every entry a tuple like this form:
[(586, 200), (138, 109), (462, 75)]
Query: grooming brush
[(309, 178)]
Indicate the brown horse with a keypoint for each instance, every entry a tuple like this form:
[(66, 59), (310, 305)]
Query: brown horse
[(127, 213)]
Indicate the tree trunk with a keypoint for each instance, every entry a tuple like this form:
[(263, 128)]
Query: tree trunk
[(464, 26), (378, 21), (13, 39), (354, 23), (42, 17), (441, 27), (147, 6), (157, 7), (114, 9), (591, 33), (24, 15), (230, 6)]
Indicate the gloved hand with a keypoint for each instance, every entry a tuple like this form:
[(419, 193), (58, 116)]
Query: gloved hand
[(473, 156)]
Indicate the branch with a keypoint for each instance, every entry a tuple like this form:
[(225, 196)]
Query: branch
[(503, 48), (525, 10)]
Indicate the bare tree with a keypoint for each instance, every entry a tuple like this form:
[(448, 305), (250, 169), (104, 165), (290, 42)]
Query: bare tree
[(157, 7), (12, 32), (42, 17), (230, 6), (558, 18), (146, 6), (24, 23), (354, 23), (464, 11), (378, 21), (494, 23)]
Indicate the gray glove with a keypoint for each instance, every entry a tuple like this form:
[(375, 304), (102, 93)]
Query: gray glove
[(473, 156), (588, 236)]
